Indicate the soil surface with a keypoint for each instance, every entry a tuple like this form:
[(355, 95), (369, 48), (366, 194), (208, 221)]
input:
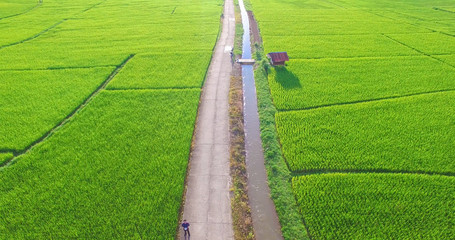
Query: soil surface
[(207, 204), (254, 29), (241, 212)]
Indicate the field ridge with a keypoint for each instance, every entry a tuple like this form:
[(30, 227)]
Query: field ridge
[(417, 50), (69, 116), (443, 10), (49, 28), (401, 20), (366, 57), (40, 2), (151, 89), (8, 150), (35, 36), (93, 6), (412, 24), (367, 100), (357, 57), (55, 68), (386, 171)]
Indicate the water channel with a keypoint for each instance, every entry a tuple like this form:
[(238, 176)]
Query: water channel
[(265, 219)]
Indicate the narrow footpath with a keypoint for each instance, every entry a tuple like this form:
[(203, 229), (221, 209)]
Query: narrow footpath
[(207, 202)]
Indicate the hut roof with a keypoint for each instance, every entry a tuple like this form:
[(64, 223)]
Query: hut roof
[(279, 56)]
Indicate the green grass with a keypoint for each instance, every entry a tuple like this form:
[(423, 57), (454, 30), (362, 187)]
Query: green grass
[(309, 83), (33, 102), (407, 134), (177, 70), (377, 206), (115, 171)]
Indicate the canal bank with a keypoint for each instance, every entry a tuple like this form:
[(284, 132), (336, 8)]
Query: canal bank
[(265, 220)]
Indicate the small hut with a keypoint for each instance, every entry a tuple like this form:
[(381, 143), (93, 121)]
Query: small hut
[(278, 58)]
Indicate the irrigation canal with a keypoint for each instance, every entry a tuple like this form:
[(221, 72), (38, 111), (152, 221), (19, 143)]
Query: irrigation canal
[(265, 220)]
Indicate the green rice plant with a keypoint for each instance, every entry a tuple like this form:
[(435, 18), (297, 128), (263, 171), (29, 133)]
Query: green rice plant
[(5, 157), (115, 171), (286, 5), (319, 12), (428, 43), (33, 102), (377, 206), (334, 46), (177, 70), (352, 17), (413, 134), (48, 14), (417, 15), (348, 26), (278, 173), (100, 33), (436, 19), (56, 55), (310, 83), (10, 8), (449, 59), (99, 37), (376, 60), (394, 5)]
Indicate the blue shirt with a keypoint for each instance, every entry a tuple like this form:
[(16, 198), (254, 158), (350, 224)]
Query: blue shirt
[(185, 225)]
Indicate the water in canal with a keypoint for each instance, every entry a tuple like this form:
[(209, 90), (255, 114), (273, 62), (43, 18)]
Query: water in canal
[(265, 220)]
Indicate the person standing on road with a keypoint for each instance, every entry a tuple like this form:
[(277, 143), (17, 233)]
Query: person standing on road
[(186, 228)]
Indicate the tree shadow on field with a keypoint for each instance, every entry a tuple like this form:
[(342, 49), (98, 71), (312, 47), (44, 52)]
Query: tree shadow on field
[(287, 79)]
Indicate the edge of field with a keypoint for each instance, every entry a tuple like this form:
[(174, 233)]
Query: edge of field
[(278, 173), (293, 222), (279, 176), (68, 117)]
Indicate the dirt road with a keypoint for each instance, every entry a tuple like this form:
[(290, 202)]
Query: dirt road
[(207, 206)]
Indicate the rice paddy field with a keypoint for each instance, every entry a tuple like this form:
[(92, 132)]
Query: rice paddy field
[(365, 115), (98, 105)]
